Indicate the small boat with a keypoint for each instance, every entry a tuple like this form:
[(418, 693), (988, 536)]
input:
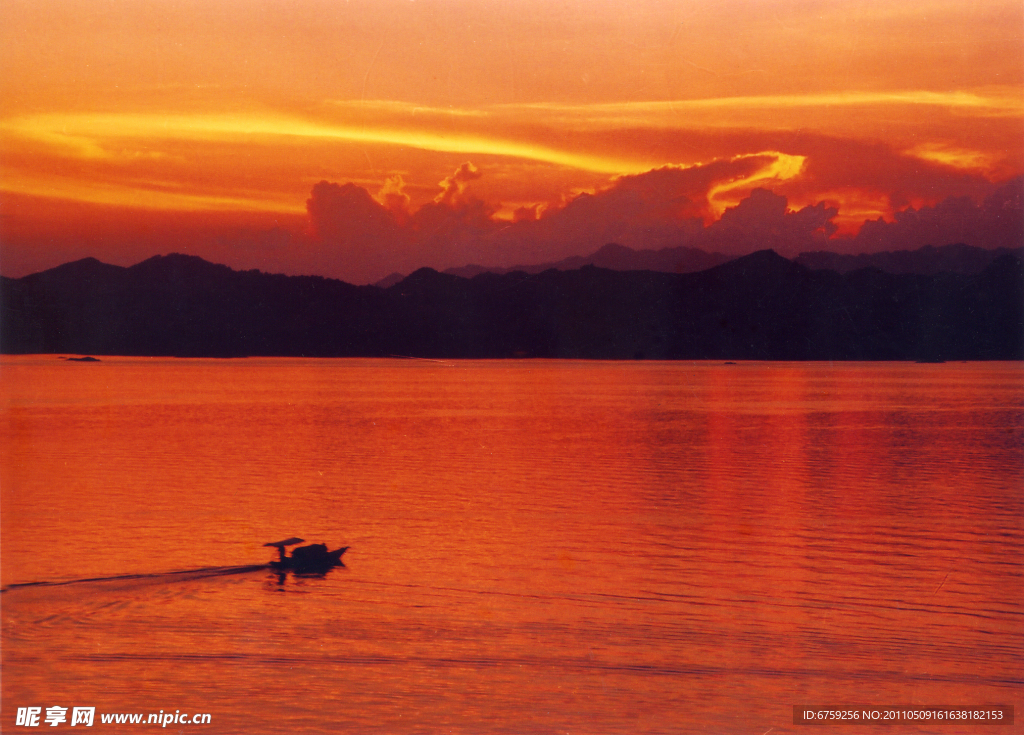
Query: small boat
[(312, 559)]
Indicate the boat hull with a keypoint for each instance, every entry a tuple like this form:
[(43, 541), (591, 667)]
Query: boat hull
[(310, 560)]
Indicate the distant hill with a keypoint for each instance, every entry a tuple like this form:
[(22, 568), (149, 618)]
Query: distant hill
[(390, 280), (617, 258), (761, 306), (926, 261)]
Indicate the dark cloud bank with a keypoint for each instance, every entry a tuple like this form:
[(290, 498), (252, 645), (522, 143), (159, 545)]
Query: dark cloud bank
[(356, 237)]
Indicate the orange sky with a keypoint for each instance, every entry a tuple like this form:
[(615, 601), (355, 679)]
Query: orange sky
[(130, 129)]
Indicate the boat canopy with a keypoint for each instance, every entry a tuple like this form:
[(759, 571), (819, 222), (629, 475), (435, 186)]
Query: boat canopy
[(286, 542)]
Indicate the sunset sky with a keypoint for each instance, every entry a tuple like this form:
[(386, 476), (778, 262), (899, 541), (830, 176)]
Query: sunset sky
[(499, 133)]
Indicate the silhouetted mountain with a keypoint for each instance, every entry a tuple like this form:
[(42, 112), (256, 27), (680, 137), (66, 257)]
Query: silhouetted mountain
[(761, 306), (617, 258), (389, 280), (183, 305), (927, 261)]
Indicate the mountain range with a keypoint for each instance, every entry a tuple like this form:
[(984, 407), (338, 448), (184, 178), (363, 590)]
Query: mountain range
[(928, 260), (760, 306)]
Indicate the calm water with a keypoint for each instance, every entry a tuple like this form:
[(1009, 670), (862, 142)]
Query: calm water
[(536, 547)]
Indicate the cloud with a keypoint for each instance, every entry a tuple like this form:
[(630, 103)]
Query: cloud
[(362, 239), (101, 135), (668, 207), (664, 207), (351, 234), (824, 146), (347, 214), (1005, 101), (357, 235), (527, 213), (452, 187), (997, 222), (393, 197), (764, 221), (452, 227), (870, 179)]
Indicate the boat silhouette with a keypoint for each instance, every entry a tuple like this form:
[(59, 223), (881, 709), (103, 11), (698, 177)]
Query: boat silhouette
[(312, 559)]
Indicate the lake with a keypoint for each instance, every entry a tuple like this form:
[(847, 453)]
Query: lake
[(536, 546)]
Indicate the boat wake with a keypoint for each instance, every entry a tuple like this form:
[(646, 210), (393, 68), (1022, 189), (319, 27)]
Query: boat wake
[(182, 575)]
